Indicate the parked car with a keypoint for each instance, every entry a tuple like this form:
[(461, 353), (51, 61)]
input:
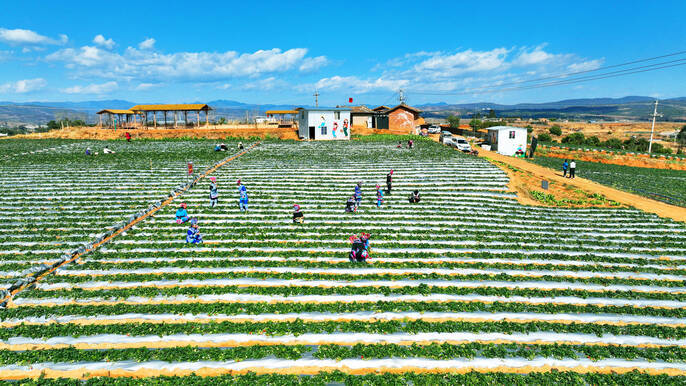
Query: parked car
[(446, 137), (463, 145), (434, 129)]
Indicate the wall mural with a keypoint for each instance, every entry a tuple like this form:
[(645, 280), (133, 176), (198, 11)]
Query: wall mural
[(335, 127), (345, 127), (322, 127)]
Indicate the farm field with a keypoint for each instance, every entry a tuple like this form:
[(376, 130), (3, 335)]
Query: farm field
[(660, 184), (57, 199), (468, 286)]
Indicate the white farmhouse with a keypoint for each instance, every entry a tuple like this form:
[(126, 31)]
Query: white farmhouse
[(507, 140), (324, 124)]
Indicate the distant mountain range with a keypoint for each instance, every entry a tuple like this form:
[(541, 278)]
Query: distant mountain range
[(629, 108)]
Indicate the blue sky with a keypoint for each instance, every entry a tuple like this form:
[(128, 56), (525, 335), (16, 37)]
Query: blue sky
[(280, 52)]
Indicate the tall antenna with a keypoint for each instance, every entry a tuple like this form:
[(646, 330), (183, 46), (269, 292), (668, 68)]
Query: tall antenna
[(652, 128), (316, 98), (401, 96)]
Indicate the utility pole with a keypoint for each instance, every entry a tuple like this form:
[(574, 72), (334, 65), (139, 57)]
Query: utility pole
[(652, 129), (316, 98), (401, 96)]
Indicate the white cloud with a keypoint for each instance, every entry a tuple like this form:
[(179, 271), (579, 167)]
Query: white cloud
[(355, 84), (102, 42), (147, 44), (442, 65), (311, 64), (146, 86), (224, 86), (28, 37), (150, 66), (586, 65), (102, 88), (23, 86)]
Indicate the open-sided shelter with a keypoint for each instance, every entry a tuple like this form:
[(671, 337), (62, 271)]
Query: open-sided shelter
[(175, 110)]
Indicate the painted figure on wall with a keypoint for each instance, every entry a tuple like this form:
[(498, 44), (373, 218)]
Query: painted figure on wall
[(345, 127), (335, 127), (322, 126)]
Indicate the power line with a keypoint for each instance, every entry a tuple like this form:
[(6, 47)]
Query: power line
[(612, 74), (564, 75)]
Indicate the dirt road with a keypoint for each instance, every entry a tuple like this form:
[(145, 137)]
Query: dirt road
[(638, 202)]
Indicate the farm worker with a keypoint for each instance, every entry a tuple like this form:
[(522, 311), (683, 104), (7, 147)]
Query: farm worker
[(400, 145), (565, 166), (182, 214), (88, 151), (214, 192), (358, 194), (298, 216), (410, 144), (364, 237), (414, 197), (128, 136), (572, 169), (240, 145), (357, 251), (217, 147), (389, 181), (243, 197), (379, 196), (350, 205), (193, 235), (107, 150)]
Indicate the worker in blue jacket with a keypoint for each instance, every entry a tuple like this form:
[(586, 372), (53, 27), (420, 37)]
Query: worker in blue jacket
[(182, 214), (193, 235), (358, 195), (243, 197)]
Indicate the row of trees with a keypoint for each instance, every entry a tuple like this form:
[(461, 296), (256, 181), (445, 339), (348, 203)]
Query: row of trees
[(631, 144), (65, 122)]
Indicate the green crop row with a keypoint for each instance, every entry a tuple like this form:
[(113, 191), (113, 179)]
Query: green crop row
[(382, 379), (132, 277), (343, 263), (298, 327), (439, 351), (291, 290)]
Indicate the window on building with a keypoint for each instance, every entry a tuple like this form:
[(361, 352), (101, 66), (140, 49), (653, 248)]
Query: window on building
[(336, 115), (512, 134)]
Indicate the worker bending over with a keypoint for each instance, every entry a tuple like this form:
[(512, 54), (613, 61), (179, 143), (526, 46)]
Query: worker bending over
[(298, 216), (182, 214), (193, 235), (414, 197)]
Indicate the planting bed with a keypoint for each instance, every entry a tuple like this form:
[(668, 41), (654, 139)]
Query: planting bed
[(659, 184), (467, 280)]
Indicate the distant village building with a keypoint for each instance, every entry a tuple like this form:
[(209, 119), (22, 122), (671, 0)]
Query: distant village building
[(507, 140), (324, 123), (402, 119)]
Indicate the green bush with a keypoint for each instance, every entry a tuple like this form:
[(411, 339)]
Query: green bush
[(574, 139), (592, 141), (545, 137), (555, 130)]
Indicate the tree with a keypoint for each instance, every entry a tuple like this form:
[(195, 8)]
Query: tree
[(454, 120), (221, 121), (545, 137), (556, 130), (574, 139), (491, 113), (592, 141), (475, 124), (681, 137)]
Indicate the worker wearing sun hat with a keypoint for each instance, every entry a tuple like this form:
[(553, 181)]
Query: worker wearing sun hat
[(243, 196), (193, 235), (182, 214), (358, 194), (389, 181), (214, 192), (298, 216)]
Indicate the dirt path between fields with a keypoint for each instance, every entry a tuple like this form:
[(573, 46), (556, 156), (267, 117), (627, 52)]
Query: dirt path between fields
[(638, 202)]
